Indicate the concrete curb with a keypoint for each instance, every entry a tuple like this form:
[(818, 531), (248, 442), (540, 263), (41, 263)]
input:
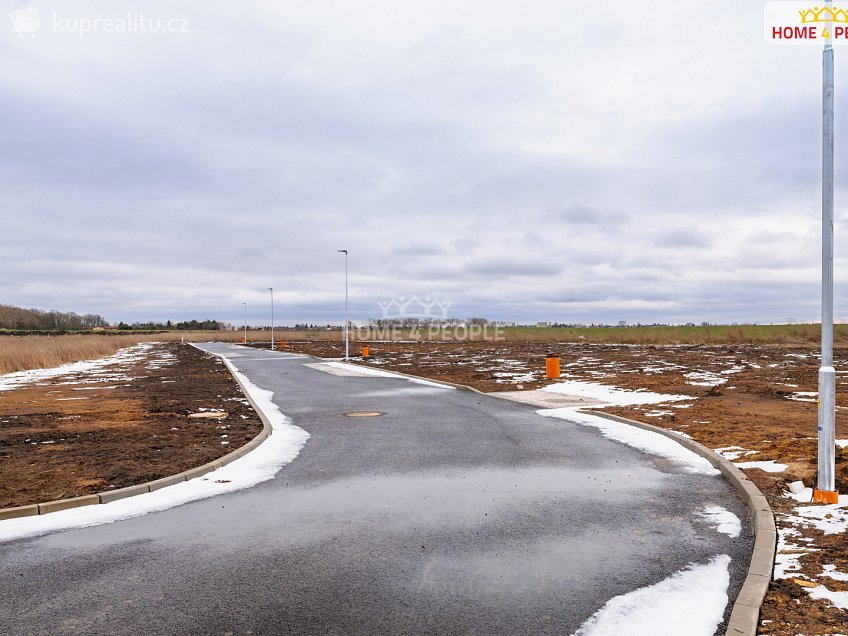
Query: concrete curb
[(140, 489), (745, 615)]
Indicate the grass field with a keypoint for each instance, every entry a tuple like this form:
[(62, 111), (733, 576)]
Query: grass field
[(18, 353), (719, 334), (802, 334)]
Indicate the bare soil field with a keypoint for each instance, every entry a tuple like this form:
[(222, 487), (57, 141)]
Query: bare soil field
[(754, 402), (128, 423), (122, 424)]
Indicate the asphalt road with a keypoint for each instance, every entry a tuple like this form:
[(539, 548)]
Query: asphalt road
[(450, 513)]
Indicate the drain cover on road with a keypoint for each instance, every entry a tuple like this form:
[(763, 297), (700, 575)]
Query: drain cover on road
[(363, 414)]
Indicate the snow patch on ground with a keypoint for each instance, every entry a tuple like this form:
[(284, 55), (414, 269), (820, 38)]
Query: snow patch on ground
[(734, 452), (261, 464), (791, 545), (804, 396), (724, 521), (611, 394), (832, 519), (645, 441), (805, 495), (830, 571), (787, 560), (840, 599), (769, 466), (384, 374), (704, 378), (690, 602)]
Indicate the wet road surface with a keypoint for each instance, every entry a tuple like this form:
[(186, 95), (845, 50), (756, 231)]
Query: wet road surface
[(450, 513)]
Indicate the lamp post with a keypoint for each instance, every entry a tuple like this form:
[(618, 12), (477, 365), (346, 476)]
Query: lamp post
[(245, 323), (347, 322), (271, 289), (826, 487)]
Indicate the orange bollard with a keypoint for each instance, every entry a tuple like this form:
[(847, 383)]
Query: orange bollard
[(364, 351), (552, 366), (282, 344), (825, 496)]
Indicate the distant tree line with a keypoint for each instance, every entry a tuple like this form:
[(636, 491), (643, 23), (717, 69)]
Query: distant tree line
[(37, 319), (186, 325), (308, 326)]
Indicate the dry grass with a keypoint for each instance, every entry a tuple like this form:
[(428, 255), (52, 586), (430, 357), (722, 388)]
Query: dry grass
[(787, 335), (19, 353), (805, 334), (801, 335)]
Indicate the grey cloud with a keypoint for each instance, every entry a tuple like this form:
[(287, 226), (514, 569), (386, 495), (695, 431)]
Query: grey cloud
[(181, 178), (579, 214), (682, 237), (510, 267), (417, 250)]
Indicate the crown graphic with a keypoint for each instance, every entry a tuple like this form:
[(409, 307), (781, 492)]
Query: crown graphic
[(414, 307), (25, 21), (823, 14)]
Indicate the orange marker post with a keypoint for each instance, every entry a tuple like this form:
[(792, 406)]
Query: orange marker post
[(552, 366), (825, 496), (282, 344), (364, 351)]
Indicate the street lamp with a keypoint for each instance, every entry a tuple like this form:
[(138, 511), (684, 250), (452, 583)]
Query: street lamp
[(245, 323), (347, 323), (271, 289), (825, 490)]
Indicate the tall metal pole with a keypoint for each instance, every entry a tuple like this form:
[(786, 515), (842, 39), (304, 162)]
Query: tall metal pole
[(347, 322), (245, 322), (271, 289), (827, 375)]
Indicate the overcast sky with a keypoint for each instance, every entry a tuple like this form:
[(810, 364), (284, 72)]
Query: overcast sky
[(566, 161)]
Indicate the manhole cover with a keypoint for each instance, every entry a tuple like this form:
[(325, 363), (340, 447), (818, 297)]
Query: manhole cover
[(363, 414)]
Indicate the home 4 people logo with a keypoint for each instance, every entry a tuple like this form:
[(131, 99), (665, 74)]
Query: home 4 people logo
[(806, 23), (26, 21), (414, 307)]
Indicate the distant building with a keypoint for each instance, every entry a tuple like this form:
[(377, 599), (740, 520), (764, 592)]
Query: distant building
[(622, 323)]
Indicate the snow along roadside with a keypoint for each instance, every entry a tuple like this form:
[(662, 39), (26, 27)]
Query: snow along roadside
[(281, 447), (358, 368), (641, 439), (691, 602)]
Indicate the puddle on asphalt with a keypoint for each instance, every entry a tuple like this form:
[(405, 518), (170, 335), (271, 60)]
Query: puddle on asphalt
[(393, 502), (464, 497)]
